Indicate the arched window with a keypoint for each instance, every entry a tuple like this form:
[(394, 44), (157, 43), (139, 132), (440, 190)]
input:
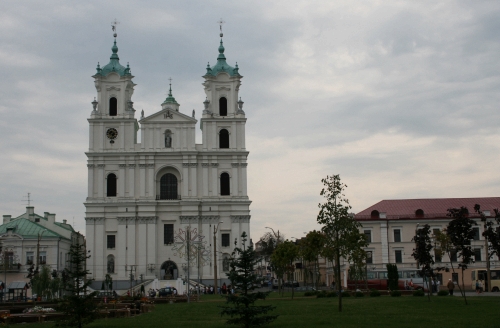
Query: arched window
[(223, 139), (168, 139), (111, 184), (168, 186), (111, 264), (222, 106), (113, 106), (224, 184), (419, 213), (375, 214)]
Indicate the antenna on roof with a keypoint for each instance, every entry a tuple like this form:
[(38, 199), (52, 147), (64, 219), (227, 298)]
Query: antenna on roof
[(28, 199)]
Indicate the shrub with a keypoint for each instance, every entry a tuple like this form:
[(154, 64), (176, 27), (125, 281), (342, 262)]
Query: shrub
[(374, 293), (309, 293), (395, 293), (331, 294), (346, 294), (443, 293), (359, 294), (418, 293), (321, 295)]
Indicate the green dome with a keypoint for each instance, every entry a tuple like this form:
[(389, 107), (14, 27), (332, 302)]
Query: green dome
[(222, 65), (114, 64)]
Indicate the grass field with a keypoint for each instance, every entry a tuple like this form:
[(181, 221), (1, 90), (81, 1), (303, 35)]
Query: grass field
[(382, 311)]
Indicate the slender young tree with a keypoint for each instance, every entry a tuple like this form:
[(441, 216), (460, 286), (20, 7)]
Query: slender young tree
[(283, 257), (243, 312), (392, 276), (493, 235), (78, 304), (342, 234), (311, 247), (422, 254), (461, 233)]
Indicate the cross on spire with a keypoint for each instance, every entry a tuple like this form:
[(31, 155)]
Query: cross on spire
[(220, 22), (113, 27)]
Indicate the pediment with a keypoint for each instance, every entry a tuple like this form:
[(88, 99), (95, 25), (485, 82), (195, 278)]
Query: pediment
[(168, 115)]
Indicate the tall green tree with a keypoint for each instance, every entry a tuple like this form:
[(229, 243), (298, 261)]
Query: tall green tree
[(460, 231), (312, 247), (392, 276), (283, 258), (422, 254), (493, 235), (78, 304), (243, 312), (343, 237), (41, 282)]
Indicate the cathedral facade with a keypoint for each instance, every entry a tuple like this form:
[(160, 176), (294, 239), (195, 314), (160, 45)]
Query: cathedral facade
[(154, 208)]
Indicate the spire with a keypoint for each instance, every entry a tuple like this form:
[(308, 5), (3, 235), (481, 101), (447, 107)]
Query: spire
[(170, 99), (222, 65), (114, 61)]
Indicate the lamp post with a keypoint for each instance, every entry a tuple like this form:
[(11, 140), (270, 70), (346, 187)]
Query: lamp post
[(216, 228)]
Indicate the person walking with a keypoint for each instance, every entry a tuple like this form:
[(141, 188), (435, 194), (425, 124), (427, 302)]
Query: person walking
[(477, 287), (450, 286)]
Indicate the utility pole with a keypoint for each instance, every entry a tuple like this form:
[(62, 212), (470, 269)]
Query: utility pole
[(216, 228)]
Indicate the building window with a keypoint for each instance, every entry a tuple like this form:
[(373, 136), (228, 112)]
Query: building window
[(113, 106), (398, 254), (43, 258), (453, 255), (168, 186), (168, 234), (397, 235), (477, 254), (111, 185), (225, 263), (223, 139), (375, 214), (168, 139), (369, 257), (222, 106), (437, 255), (111, 241), (419, 213), (368, 234), (224, 184), (476, 233), (29, 258), (225, 240), (111, 264)]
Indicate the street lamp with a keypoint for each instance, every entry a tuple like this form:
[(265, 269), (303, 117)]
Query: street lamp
[(216, 228)]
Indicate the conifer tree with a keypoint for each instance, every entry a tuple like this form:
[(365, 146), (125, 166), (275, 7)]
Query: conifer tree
[(78, 304), (243, 312)]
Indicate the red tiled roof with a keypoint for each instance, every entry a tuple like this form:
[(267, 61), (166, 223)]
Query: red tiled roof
[(433, 208)]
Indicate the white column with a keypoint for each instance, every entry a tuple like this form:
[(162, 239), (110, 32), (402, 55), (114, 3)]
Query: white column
[(384, 242), (151, 243), (204, 136), (142, 177), (142, 246), (131, 238), (205, 180), (121, 181), (215, 179), (131, 180), (185, 179), (102, 181), (90, 180), (234, 180), (214, 136), (99, 251), (193, 178), (151, 181), (232, 136), (244, 178), (121, 248), (122, 136), (243, 146)]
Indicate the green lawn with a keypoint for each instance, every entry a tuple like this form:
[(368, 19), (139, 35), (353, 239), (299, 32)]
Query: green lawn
[(385, 311)]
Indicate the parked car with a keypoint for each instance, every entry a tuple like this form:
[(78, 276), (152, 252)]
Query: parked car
[(290, 283), (166, 291)]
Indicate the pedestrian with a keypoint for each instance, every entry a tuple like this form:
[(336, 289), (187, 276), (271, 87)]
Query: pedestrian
[(480, 287), (450, 286), (477, 286)]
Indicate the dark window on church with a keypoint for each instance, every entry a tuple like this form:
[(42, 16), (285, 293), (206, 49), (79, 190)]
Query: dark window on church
[(223, 106), (111, 182), (225, 240), (224, 184), (113, 106), (223, 139), (168, 186), (111, 241), (168, 234)]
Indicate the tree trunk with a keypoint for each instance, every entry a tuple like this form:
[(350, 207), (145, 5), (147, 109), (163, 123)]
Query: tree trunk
[(337, 264), (463, 286)]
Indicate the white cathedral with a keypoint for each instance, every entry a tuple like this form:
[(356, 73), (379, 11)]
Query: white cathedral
[(144, 197)]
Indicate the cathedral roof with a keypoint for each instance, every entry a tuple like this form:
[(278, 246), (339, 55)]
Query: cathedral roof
[(113, 65), (221, 65)]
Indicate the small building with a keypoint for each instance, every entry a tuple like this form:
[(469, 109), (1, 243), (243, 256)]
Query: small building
[(390, 226), (31, 239)]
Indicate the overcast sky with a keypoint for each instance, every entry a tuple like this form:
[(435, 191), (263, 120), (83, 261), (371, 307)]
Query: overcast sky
[(398, 97)]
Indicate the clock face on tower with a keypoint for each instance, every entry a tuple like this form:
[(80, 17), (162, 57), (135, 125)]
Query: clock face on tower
[(111, 134)]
